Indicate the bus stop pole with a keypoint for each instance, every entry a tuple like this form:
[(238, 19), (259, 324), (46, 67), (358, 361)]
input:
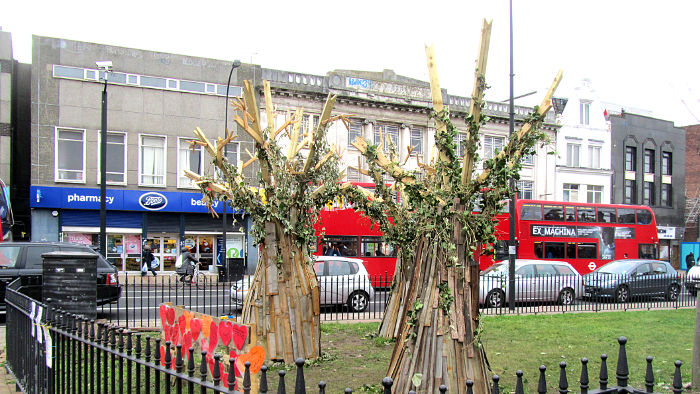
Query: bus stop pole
[(511, 205)]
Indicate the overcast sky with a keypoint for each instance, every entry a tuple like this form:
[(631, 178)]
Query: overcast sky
[(638, 54)]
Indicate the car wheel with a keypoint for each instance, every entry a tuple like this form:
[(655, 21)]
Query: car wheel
[(495, 298), (358, 301), (622, 294), (566, 297), (672, 292)]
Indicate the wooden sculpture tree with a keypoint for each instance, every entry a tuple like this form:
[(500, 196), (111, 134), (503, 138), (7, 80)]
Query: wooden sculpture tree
[(294, 184), (438, 233)]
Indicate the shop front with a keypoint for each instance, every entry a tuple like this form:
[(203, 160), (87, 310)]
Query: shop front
[(165, 221)]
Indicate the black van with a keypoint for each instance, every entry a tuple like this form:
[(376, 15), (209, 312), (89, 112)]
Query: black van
[(23, 259)]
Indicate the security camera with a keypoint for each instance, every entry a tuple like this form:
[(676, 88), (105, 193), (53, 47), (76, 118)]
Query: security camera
[(104, 65)]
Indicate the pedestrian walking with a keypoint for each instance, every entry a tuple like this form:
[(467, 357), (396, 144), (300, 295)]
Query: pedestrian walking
[(147, 260)]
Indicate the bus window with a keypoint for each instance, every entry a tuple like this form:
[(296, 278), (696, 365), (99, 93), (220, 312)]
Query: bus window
[(607, 215), (586, 214), (554, 250), (531, 212), (570, 250), (340, 245), (570, 214), (538, 250), (376, 247), (553, 212), (647, 251), (587, 251), (625, 215), (643, 216)]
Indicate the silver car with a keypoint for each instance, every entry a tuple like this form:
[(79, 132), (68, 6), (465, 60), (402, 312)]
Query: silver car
[(535, 280), (342, 280)]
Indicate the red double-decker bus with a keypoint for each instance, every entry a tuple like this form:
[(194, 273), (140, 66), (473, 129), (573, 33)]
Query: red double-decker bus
[(585, 235), (348, 233)]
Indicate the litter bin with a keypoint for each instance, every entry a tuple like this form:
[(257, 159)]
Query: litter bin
[(234, 272), (70, 282)]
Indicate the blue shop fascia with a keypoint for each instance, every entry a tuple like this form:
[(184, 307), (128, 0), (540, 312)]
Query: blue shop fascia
[(165, 221)]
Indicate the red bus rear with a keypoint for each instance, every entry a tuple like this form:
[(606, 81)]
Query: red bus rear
[(350, 234), (585, 235)]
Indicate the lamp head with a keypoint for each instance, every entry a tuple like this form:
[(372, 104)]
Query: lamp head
[(236, 63), (104, 65)]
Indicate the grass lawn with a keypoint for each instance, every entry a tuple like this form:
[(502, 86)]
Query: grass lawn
[(354, 358)]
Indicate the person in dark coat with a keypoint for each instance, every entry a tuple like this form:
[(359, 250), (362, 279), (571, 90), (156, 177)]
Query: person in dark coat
[(689, 260), (186, 270), (147, 258)]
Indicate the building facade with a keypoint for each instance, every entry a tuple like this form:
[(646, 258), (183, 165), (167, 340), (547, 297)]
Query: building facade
[(155, 101), (583, 158), (692, 183), (648, 161)]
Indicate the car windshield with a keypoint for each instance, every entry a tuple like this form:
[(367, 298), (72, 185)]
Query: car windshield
[(496, 269), (619, 267)]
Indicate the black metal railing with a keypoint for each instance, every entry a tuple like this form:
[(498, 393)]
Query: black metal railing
[(71, 354), (342, 298), (585, 386), (350, 298)]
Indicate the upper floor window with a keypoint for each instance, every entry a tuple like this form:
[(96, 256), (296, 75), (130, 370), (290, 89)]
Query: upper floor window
[(630, 158), (630, 196), (573, 152), (188, 158), (571, 192), (666, 196), (585, 107), (152, 157), (492, 145), (116, 157), (594, 194), (648, 196), (525, 189), (70, 155), (417, 140), (666, 163), (232, 153), (353, 175), (390, 133), (594, 156), (461, 144), (354, 131), (649, 161)]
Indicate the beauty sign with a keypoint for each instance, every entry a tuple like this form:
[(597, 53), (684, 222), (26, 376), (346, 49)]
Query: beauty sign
[(214, 335)]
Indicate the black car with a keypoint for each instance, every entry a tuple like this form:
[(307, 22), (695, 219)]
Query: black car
[(23, 259), (620, 280)]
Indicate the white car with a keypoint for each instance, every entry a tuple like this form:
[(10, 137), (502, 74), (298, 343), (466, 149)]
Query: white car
[(535, 280), (342, 280), (692, 280)]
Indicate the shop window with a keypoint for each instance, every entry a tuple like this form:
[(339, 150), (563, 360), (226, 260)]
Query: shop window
[(70, 155)]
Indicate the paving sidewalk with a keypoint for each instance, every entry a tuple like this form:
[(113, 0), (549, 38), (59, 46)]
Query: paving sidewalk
[(7, 381)]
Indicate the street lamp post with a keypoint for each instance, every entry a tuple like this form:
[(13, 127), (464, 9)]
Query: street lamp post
[(106, 67), (511, 205), (234, 65)]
